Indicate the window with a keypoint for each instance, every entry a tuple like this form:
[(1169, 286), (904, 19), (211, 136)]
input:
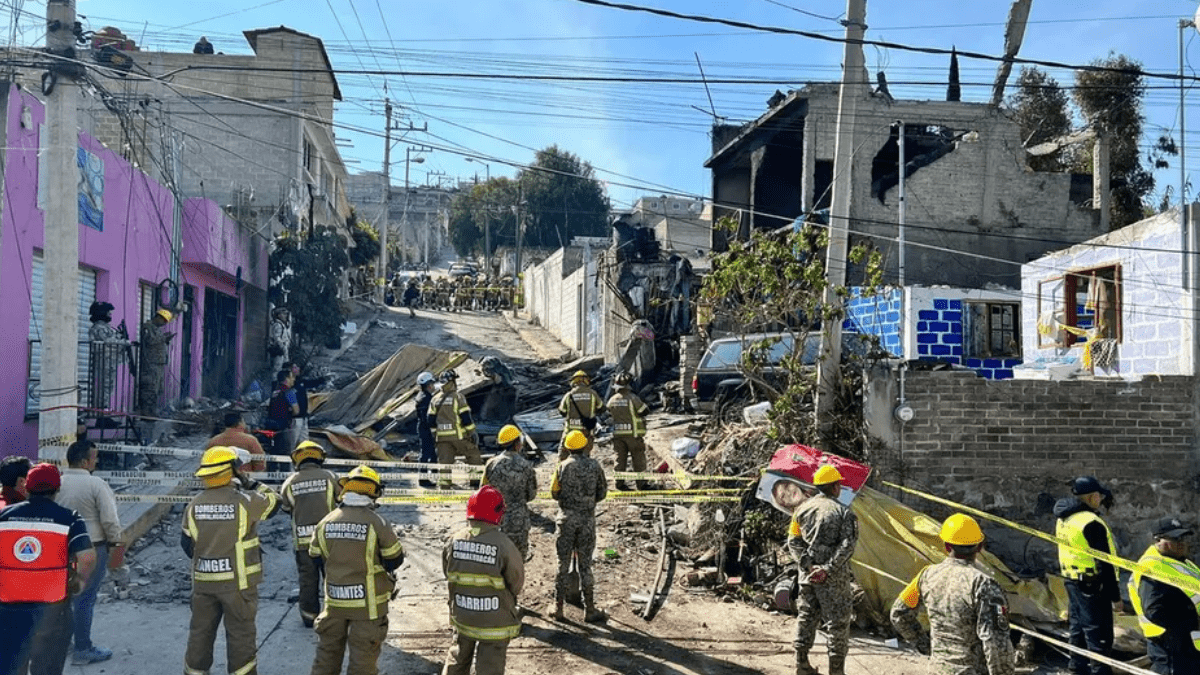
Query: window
[(991, 330), (1092, 300), (310, 157)]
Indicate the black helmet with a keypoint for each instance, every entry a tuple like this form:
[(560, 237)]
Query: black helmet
[(100, 310), (449, 376)]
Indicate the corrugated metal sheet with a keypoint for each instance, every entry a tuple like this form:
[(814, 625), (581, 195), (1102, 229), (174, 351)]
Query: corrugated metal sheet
[(87, 295)]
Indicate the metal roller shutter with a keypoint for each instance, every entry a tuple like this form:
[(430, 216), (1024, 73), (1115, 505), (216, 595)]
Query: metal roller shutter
[(87, 295)]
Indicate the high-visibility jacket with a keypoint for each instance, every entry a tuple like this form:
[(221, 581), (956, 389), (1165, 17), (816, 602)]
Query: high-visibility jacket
[(1077, 564), (1162, 567), (582, 401), (628, 412), (222, 524), (453, 416), (358, 547), (484, 573), (34, 562), (309, 495)]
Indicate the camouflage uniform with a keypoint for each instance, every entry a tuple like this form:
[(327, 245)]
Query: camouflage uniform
[(579, 483), (823, 534), (968, 619), (152, 367), (509, 473)]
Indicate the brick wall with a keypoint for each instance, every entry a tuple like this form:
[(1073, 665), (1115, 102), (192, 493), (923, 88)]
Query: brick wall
[(878, 315)]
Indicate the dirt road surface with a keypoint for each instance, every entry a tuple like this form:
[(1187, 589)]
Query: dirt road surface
[(694, 634)]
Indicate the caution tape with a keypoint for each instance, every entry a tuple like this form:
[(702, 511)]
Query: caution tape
[(1188, 584), (450, 497)]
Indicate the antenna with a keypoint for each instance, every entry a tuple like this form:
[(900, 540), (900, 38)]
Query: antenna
[(716, 118)]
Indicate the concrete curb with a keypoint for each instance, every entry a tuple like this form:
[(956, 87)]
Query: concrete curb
[(545, 345)]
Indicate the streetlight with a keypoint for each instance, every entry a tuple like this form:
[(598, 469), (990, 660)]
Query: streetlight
[(487, 168), (409, 160)]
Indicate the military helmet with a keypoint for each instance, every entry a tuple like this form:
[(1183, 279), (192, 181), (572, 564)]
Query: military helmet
[(509, 433), (826, 474), (576, 440), (961, 530)]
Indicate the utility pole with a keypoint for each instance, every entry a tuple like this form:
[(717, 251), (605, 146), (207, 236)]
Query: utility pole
[(60, 298), (519, 288), (381, 290), (853, 85)]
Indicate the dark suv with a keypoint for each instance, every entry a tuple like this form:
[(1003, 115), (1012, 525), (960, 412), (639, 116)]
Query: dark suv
[(719, 378)]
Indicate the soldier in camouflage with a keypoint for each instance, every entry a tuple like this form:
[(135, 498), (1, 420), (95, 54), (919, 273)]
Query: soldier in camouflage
[(968, 613), (509, 473), (821, 539), (579, 483)]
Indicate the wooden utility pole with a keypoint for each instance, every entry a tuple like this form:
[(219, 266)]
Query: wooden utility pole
[(381, 277), (60, 297), (852, 92)]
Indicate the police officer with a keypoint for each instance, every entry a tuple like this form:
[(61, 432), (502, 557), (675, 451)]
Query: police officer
[(308, 494), (629, 427), (428, 386), (152, 364), (485, 574), (514, 477), (450, 416), (821, 539), (38, 542), (1092, 591), (579, 483), (1168, 613), (581, 406), (968, 613), (359, 551), (220, 536)]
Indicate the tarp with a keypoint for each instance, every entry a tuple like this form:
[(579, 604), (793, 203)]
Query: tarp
[(351, 444), (792, 468), (384, 390)]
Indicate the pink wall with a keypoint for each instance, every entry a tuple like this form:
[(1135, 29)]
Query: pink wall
[(134, 247)]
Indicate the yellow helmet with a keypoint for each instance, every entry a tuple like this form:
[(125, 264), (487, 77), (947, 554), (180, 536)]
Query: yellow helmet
[(364, 480), (580, 376), (961, 530), (576, 440), (508, 434), (216, 466), (308, 450), (826, 474), (165, 314)]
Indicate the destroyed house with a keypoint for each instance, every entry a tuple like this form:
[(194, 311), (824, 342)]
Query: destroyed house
[(969, 188)]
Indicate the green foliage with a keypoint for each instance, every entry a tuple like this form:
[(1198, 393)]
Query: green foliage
[(1041, 107), (486, 205), (563, 199), (366, 241), (306, 273)]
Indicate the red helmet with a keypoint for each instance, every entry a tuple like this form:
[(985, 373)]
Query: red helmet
[(487, 505)]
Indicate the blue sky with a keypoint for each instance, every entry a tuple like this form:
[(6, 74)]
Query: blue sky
[(653, 136)]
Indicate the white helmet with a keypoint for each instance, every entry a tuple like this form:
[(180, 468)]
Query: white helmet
[(424, 378)]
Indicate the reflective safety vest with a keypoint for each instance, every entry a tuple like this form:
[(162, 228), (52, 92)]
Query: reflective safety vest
[(33, 562), (1162, 567), (578, 403), (354, 541), (449, 409), (1077, 564), (308, 495)]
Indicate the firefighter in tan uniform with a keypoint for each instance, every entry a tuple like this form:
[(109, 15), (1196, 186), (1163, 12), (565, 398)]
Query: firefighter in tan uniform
[(629, 428), (220, 536), (359, 552), (580, 406), (308, 494), (453, 427), (485, 574)]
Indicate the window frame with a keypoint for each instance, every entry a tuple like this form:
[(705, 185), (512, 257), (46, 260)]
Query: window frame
[(1071, 283), (989, 328)]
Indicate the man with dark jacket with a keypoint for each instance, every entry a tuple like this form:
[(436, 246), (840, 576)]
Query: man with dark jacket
[(428, 386), (1092, 591), (13, 470), (1167, 612)]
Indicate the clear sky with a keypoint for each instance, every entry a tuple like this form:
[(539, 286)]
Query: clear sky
[(652, 136)]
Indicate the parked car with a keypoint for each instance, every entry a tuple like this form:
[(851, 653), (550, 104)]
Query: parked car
[(720, 377), (463, 269)]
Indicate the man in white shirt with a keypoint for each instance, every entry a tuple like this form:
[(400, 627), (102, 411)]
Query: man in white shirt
[(93, 499)]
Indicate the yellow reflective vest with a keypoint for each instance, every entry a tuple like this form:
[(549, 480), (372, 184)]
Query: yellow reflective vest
[(1076, 564), (1164, 568)]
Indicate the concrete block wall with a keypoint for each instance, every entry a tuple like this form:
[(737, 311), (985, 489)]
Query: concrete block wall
[(1156, 309), (879, 315)]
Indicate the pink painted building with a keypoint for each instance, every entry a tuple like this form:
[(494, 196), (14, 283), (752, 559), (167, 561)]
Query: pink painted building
[(125, 233)]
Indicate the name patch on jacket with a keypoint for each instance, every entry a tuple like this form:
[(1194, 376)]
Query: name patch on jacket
[(214, 565), (355, 531), (476, 604), (305, 530), (353, 592), (308, 487), (474, 551), (215, 511)]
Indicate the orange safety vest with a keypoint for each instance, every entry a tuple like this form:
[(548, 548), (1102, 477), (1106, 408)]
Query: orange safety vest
[(33, 562)]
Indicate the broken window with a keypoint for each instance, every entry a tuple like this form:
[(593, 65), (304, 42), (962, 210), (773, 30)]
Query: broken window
[(822, 184), (1092, 300), (924, 144), (310, 157), (991, 330)]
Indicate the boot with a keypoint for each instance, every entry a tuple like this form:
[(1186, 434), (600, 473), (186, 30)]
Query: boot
[(557, 614), (592, 614), (804, 668), (837, 664)]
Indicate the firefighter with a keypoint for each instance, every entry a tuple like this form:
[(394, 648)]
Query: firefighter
[(359, 552), (39, 541), (450, 417), (308, 495), (581, 406), (220, 536), (509, 473), (485, 574), (629, 427)]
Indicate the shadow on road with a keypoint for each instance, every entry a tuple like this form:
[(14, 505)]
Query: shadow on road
[(396, 660)]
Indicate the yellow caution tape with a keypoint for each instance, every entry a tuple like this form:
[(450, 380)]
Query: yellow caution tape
[(422, 496), (1191, 586)]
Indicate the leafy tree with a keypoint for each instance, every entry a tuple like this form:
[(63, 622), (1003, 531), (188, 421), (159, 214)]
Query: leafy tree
[(306, 273), (366, 240), (563, 199), (486, 207), (776, 282), (1041, 108)]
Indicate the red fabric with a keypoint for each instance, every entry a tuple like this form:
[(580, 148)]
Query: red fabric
[(801, 461), (33, 562)]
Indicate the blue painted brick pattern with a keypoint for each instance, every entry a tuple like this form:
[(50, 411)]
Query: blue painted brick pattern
[(877, 315)]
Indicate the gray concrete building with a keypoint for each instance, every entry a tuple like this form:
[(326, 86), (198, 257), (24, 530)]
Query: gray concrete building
[(417, 219)]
